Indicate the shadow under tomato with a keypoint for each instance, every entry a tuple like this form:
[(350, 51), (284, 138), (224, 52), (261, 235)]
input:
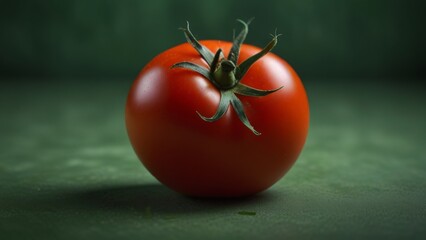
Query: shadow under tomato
[(158, 198), (152, 199)]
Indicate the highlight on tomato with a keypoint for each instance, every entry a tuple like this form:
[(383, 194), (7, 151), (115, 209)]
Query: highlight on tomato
[(215, 118)]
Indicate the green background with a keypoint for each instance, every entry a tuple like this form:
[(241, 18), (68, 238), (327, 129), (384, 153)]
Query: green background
[(329, 38), (67, 170)]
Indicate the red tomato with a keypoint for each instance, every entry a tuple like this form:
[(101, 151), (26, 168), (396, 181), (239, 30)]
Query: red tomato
[(222, 158)]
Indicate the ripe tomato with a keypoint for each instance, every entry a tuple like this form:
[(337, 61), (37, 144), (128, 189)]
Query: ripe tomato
[(223, 157)]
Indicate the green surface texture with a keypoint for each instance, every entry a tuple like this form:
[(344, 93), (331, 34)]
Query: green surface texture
[(67, 170)]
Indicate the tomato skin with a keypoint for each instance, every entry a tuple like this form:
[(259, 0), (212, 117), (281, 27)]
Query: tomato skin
[(223, 158)]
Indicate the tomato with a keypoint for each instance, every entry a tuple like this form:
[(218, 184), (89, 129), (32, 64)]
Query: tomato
[(223, 157)]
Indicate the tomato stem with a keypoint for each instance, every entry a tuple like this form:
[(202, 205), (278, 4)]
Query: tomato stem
[(226, 75)]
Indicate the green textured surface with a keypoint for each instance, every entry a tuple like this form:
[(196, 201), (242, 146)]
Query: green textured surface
[(67, 170)]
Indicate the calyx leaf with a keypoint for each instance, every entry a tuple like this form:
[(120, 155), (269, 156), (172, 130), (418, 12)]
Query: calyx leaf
[(226, 75)]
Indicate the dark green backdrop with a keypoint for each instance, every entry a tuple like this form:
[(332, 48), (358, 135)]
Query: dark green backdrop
[(109, 39)]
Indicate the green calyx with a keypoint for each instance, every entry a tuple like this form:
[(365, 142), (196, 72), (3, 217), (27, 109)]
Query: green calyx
[(225, 74)]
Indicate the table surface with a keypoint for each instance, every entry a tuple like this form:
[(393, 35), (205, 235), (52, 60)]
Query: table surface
[(67, 170)]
